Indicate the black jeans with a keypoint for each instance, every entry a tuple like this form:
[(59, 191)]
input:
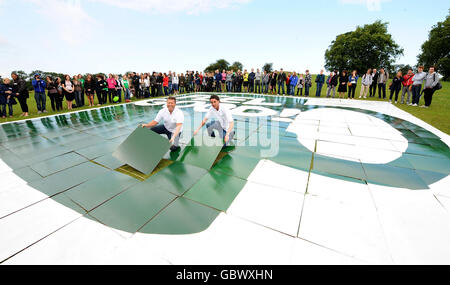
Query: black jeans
[(59, 101), (3, 109), (428, 96), (52, 100), (351, 91), (372, 90), (111, 94), (23, 104), (394, 91), (382, 87), (416, 94)]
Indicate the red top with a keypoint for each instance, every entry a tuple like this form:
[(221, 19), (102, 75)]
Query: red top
[(166, 81), (407, 80)]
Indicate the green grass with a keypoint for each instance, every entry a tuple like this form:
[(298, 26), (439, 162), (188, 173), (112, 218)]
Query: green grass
[(437, 115)]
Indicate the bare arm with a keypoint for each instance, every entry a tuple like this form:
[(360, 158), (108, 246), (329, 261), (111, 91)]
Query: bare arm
[(150, 125), (230, 129), (177, 131), (201, 125)]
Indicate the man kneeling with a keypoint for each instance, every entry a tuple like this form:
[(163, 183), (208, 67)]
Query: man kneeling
[(224, 124), (173, 123)]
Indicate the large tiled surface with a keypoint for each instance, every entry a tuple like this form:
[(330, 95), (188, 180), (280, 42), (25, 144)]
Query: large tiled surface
[(314, 181)]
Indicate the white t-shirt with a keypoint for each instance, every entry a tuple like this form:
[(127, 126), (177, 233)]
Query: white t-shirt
[(171, 120), (223, 116)]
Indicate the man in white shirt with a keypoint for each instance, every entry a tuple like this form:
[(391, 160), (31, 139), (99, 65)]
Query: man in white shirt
[(224, 124), (173, 123)]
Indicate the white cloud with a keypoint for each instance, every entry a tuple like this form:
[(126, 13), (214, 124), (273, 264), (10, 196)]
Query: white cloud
[(169, 6), (372, 5), (71, 22)]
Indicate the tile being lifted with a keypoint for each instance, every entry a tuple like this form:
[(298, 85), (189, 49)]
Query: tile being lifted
[(143, 150), (202, 151)]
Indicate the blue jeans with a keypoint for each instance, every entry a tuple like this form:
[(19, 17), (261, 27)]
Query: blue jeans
[(160, 129), (280, 85), (119, 94), (3, 109), (215, 125), (40, 100), (127, 93), (416, 94), (175, 87), (166, 90), (229, 86), (319, 89), (170, 87), (292, 89)]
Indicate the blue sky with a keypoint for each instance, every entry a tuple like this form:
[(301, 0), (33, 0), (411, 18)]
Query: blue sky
[(80, 36)]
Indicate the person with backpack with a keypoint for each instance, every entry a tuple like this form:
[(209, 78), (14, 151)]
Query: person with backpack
[(407, 86), (432, 84)]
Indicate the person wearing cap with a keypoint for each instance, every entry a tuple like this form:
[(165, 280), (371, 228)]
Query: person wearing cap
[(39, 93), (224, 124), (173, 123)]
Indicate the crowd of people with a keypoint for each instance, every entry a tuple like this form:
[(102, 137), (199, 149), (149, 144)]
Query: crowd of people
[(110, 89)]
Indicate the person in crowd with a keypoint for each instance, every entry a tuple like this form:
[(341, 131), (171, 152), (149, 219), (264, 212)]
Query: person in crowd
[(39, 93), (153, 84), (218, 80), (81, 79), (100, 89), (383, 78), (6, 98), (175, 82), (111, 87), (126, 88), (308, 82), (431, 85), (173, 119), (343, 81), (166, 84), (320, 80), (229, 80), (52, 92), (77, 91), (373, 86), (169, 83), (159, 84), (146, 90), (182, 81), (300, 84), (288, 86), (141, 90), (258, 77), (352, 84), (21, 92), (265, 82), (293, 82), (417, 79), (407, 86), (68, 91), (119, 88), (273, 82), (281, 81), (239, 81), (224, 79), (332, 82), (366, 83), (135, 82), (90, 87), (60, 95), (224, 124), (251, 81), (245, 78), (395, 86)]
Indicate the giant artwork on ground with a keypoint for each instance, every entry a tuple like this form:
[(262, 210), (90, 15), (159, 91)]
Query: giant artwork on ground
[(303, 181)]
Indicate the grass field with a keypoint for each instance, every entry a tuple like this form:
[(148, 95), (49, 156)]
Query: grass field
[(438, 115)]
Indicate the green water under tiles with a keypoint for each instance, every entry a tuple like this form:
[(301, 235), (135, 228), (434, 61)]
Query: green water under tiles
[(108, 160), (134, 151), (202, 151), (97, 190), (337, 166), (216, 190), (131, 209), (176, 179), (68, 178), (96, 150), (52, 165), (182, 216), (394, 177), (435, 164)]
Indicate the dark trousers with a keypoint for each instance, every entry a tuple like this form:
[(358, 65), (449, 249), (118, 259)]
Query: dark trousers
[(160, 129), (154, 91), (251, 86), (372, 90), (428, 96), (382, 88), (280, 85), (78, 99), (3, 109), (23, 104), (351, 91), (416, 94), (319, 89), (394, 91), (307, 86), (300, 90), (258, 86), (59, 101), (52, 100), (101, 95)]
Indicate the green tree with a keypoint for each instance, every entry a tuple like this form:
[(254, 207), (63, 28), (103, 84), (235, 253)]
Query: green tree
[(220, 64), (370, 46), (236, 66), (268, 67), (436, 50)]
